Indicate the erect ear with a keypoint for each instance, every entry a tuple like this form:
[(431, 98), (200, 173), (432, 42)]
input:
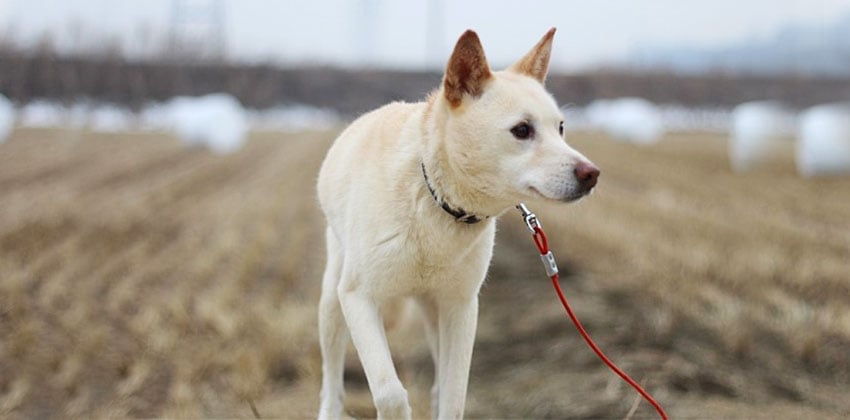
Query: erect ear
[(467, 71), (536, 62)]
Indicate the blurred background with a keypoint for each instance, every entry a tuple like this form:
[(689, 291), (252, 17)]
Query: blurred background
[(161, 246)]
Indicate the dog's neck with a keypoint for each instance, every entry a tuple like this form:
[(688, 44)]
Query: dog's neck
[(447, 184), (460, 215)]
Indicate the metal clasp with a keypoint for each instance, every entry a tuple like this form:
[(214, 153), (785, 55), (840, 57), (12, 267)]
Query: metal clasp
[(530, 218), (549, 264)]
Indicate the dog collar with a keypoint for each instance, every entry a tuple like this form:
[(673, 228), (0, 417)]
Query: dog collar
[(458, 213)]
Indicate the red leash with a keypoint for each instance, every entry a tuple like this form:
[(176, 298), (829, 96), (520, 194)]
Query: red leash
[(552, 270)]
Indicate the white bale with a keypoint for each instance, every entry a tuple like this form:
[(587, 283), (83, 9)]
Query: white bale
[(634, 120), (7, 118), (110, 119), (154, 117), (758, 129), (216, 121), (823, 146), (596, 113), (77, 115), (677, 118), (43, 114)]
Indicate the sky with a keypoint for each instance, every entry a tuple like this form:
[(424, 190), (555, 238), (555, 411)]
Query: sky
[(417, 33)]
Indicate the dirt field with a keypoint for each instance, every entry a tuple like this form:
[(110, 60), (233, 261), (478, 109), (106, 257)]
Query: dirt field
[(142, 279)]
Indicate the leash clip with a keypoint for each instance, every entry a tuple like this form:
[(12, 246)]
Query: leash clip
[(530, 218)]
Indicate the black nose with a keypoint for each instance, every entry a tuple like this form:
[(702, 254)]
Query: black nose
[(586, 174)]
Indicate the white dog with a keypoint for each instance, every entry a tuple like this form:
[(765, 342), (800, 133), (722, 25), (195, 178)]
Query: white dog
[(411, 193)]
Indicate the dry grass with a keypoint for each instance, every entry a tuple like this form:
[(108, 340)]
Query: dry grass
[(141, 279), (738, 254)]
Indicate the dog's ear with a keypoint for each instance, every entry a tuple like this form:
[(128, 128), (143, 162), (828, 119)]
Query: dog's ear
[(467, 71), (536, 62)]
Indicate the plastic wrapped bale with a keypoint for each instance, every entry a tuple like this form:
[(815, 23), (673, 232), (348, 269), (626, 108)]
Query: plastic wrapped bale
[(633, 120), (7, 118), (110, 119), (42, 113), (823, 146), (758, 130), (216, 121)]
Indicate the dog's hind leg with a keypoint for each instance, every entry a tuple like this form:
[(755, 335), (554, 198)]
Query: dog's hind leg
[(362, 314), (432, 333), (333, 335)]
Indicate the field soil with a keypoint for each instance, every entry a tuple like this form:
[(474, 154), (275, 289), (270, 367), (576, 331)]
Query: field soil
[(139, 278)]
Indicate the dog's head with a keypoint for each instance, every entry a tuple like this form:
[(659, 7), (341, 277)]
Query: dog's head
[(504, 132)]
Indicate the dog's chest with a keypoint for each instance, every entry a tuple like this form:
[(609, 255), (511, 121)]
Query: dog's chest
[(422, 261)]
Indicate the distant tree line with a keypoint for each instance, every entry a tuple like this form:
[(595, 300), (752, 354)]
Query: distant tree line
[(28, 75)]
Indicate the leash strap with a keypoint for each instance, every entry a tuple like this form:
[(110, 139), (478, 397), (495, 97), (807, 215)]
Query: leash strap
[(551, 267)]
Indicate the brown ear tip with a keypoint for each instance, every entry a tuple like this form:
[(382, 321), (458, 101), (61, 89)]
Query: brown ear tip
[(469, 34), (551, 32)]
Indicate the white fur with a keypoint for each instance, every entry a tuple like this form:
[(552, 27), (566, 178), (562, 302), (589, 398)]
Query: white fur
[(388, 239)]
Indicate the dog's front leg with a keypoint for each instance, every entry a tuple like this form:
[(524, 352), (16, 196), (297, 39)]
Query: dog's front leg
[(431, 315), (458, 322), (362, 314)]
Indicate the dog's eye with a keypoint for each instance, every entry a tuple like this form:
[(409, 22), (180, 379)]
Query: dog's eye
[(561, 129), (523, 131)]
